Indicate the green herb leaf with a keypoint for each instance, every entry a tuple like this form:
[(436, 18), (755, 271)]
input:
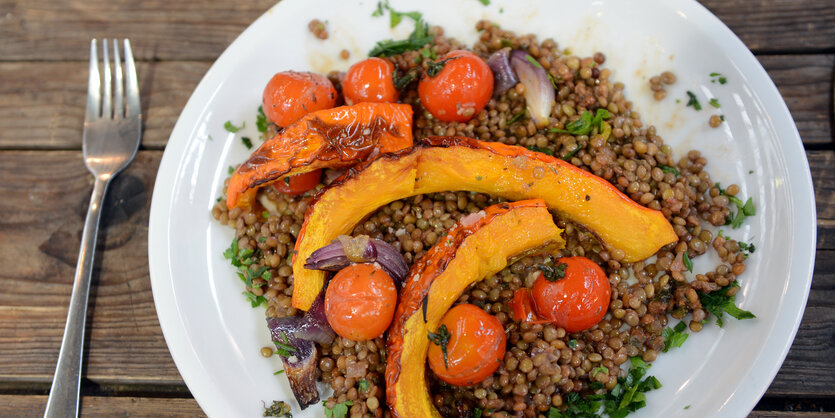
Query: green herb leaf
[(231, 169), (403, 81), (573, 152), (687, 262), (572, 344), (441, 339), (339, 410), (416, 40), (379, 11), (585, 123), (485, 2), (714, 102), (693, 101), (477, 413), (364, 385), (247, 142), (674, 337), (668, 169), (533, 62), (718, 302), (232, 128), (278, 372), (545, 151), (599, 369), (746, 248), (255, 301), (516, 117), (261, 120), (553, 270), (278, 409)]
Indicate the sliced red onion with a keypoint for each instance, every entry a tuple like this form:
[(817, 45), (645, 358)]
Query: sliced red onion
[(300, 333), (539, 92), (361, 249), (301, 363), (504, 77)]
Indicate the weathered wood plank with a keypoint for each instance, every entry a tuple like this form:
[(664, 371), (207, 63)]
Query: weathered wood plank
[(201, 29), (778, 25), (25, 406), (789, 414), (45, 196), (42, 104)]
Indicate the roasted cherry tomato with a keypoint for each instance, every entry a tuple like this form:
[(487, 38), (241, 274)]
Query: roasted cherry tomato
[(475, 346), (370, 80), (290, 95), (575, 298), (522, 307), (459, 90), (360, 302), (298, 184)]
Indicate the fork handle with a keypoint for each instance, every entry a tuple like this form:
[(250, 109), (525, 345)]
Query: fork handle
[(64, 394)]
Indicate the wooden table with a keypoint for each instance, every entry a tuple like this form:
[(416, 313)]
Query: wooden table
[(44, 190)]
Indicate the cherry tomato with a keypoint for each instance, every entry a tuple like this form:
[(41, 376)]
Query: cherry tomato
[(522, 307), (460, 90), (578, 300), (290, 95), (298, 184), (360, 302), (370, 80), (475, 348)]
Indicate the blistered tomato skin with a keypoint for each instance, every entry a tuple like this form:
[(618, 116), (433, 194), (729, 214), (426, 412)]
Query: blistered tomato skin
[(370, 80), (289, 95), (476, 346), (460, 90), (360, 302), (577, 301)]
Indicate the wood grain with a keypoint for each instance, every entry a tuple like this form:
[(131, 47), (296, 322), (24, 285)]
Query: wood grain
[(56, 30), (45, 196), (42, 104), (25, 406)]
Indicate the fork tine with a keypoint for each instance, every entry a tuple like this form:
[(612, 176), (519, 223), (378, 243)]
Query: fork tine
[(118, 107), (106, 96), (93, 86), (131, 83)]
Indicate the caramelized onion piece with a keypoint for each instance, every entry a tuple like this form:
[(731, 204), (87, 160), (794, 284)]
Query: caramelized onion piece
[(361, 249)]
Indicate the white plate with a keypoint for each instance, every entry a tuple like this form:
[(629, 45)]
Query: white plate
[(215, 337)]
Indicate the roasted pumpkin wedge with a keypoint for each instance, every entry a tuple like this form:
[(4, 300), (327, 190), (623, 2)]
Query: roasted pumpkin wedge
[(479, 246), (455, 163), (331, 138)]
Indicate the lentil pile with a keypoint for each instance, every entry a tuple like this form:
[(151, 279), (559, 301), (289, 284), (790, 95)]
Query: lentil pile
[(543, 363)]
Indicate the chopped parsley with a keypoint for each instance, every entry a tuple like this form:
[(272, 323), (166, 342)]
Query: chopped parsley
[(674, 337), (585, 124), (243, 259), (533, 62), (545, 151), (416, 40), (402, 81), (232, 128), (485, 2), (231, 169), (722, 118), (516, 117), (441, 339), (744, 210), (278, 409), (255, 301), (718, 302), (746, 248), (718, 77), (364, 385), (278, 372), (477, 413), (626, 397), (668, 169), (599, 369), (572, 344), (284, 349), (247, 142), (573, 152), (693, 101), (553, 270), (339, 410), (688, 264), (261, 120), (714, 102)]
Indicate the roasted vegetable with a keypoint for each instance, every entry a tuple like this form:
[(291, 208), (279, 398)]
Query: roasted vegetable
[(331, 138), (479, 246), (455, 163)]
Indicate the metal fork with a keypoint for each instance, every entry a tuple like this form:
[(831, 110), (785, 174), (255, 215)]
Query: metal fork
[(112, 132)]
